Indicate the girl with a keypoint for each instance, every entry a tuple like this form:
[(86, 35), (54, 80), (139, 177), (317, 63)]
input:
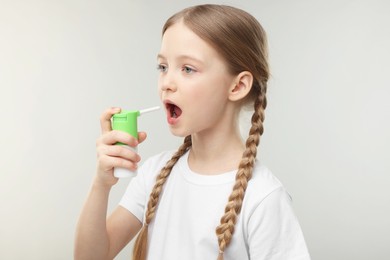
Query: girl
[(211, 199)]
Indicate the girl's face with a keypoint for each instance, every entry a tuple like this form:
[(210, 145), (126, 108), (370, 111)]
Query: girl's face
[(194, 83)]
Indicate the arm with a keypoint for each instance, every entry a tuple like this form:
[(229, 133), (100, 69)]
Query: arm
[(96, 236)]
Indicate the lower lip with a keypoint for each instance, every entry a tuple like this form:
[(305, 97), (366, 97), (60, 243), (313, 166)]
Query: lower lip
[(172, 120)]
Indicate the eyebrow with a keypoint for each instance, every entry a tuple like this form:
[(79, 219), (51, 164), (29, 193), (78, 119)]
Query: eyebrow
[(182, 57)]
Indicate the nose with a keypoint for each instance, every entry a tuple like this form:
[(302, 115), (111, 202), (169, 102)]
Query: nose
[(167, 82)]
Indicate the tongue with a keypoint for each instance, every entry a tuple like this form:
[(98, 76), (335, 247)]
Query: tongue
[(175, 111)]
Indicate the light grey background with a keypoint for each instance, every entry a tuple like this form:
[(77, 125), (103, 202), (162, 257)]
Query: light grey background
[(327, 130)]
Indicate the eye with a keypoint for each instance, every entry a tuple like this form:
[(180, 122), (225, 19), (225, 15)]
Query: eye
[(162, 67), (188, 70)]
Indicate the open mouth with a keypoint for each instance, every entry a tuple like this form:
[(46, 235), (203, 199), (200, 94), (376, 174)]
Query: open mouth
[(173, 110)]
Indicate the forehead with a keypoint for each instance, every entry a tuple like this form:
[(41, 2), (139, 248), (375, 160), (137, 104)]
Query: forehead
[(178, 39)]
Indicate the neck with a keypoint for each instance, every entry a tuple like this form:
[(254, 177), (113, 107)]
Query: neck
[(216, 152)]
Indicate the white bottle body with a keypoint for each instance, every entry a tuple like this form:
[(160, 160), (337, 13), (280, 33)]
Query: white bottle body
[(120, 172)]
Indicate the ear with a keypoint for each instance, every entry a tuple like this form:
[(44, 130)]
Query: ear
[(242, 85)]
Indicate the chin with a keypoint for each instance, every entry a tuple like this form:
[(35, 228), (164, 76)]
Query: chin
[(178, 133)]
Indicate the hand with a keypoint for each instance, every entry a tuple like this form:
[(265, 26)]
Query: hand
[(110, 155)]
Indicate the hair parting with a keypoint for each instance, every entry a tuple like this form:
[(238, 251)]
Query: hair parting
[(140, 246)]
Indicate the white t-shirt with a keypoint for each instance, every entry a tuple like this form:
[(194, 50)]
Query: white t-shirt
[(191, 206)]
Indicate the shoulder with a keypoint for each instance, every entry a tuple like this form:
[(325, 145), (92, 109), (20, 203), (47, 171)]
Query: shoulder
[(262, 184), (263, 181), (138, 190), (152, 166), (158, 159)]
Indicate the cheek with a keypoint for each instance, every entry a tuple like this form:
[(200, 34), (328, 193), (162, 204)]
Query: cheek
[(207, 89)]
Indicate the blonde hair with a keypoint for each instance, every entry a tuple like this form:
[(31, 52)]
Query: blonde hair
[(241, 41)]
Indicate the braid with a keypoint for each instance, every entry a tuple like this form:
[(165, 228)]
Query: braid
[(140, 247), (226, 228)]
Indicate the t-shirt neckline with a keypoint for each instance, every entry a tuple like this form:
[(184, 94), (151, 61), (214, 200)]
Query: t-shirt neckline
[(201, 179)]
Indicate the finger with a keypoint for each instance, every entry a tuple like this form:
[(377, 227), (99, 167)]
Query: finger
[(116, 136), (108, 163), (122, 152), (141, 137), (105, 118)]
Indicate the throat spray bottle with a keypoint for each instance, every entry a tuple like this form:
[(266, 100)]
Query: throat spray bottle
[(126, 121)]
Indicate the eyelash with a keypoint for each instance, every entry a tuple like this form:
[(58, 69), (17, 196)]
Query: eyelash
[(186, 69), (162, 68)]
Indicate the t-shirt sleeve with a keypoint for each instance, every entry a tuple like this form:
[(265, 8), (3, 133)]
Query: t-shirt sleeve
[(273, 230), (137, 193), (134, 199)]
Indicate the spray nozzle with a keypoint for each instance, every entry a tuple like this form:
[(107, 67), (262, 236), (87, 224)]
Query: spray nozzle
[(147, 110)]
